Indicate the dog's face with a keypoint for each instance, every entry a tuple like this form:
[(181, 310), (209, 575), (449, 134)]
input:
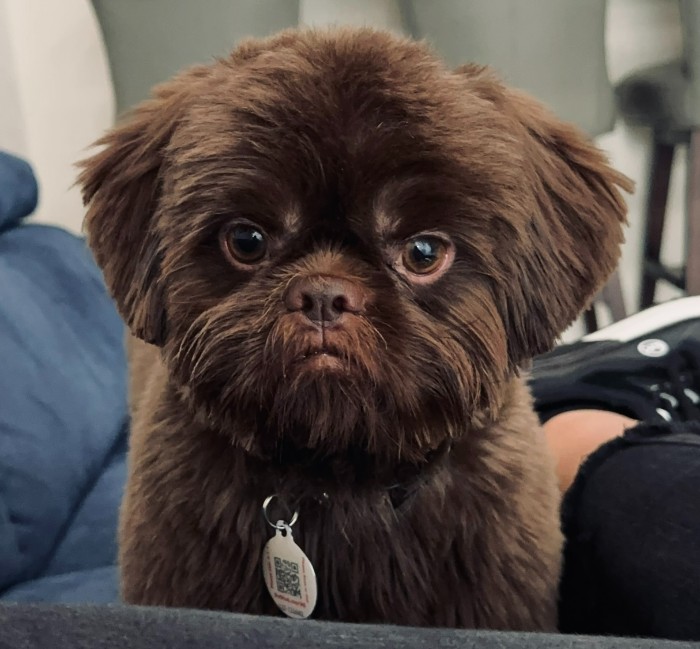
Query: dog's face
[(339, 244)]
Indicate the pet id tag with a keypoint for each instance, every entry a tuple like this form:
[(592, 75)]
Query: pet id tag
[(289, 576)]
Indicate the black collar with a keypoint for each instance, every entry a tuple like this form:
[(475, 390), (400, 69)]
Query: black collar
[(400, 493)]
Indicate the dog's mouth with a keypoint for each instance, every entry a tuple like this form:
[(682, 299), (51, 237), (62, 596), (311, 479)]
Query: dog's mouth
[(322, 357)]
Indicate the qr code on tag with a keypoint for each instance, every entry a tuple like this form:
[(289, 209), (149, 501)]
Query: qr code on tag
[(287, 577)]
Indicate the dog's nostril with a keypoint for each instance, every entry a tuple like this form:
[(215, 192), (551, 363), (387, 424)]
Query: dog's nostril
[(307, 303), (312, 306), (339, 303)]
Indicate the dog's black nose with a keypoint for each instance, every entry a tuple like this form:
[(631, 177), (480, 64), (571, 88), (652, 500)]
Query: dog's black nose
[(324, 299)]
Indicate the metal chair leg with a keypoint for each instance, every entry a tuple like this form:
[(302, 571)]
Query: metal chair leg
[(659, 180), (692, 269), (590, 320)]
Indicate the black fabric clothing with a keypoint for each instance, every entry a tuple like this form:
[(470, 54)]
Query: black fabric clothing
[(632, 526)]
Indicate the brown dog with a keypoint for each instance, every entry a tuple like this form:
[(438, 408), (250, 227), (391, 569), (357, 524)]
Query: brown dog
[(340, 253)]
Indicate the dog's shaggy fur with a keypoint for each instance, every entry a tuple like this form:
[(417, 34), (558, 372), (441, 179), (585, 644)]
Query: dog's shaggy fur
[(412, 452)]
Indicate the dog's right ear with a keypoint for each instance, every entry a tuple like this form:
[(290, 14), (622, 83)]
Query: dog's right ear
[(121, 187)]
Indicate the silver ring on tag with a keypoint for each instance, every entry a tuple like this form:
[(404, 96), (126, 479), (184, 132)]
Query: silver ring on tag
[(278, 525)]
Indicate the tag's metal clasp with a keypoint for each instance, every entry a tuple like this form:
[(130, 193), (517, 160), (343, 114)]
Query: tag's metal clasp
[(280, 524)]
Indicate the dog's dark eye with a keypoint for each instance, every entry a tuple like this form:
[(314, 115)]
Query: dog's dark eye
[(244, 244), (424, 255)]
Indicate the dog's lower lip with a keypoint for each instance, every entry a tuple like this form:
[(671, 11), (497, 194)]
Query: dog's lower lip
[(321, 358), (319, 352)]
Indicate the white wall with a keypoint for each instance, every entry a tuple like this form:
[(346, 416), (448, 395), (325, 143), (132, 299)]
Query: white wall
[(56, 95)]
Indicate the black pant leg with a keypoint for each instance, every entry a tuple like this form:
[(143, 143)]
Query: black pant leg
[(632, 522)]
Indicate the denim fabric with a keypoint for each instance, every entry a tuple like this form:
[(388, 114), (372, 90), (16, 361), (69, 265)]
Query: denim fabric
[(19, 192), (63, 419)]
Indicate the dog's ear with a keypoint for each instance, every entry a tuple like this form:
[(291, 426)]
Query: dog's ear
[(568, 242), (121, 187)]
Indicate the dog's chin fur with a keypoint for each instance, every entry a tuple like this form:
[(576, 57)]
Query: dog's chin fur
[(403, 432)]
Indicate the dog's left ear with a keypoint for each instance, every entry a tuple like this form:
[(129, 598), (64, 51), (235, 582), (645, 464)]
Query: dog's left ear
[(571, 229)]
